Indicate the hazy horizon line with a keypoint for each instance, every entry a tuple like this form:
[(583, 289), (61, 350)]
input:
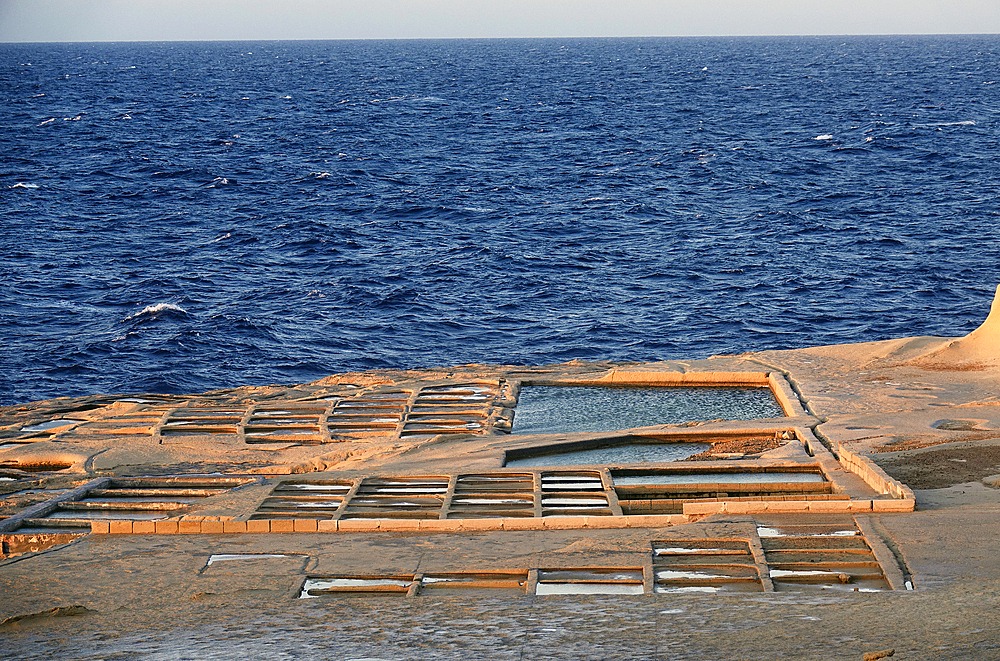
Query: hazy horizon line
[(517, 38)]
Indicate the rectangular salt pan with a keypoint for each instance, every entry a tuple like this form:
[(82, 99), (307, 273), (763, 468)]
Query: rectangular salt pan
[(51, 424), (632, 453), (800, 531), (224, 557), (588, 588), (717, 478), (314, 587)]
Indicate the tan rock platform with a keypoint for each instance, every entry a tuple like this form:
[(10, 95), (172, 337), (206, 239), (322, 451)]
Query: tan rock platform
[(384, 498)]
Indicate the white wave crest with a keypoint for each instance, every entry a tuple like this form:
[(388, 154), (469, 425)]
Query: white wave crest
[(21, 184), (154, 309), (825, 136)]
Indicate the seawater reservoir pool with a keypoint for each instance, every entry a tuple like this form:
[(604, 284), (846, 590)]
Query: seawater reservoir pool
[(570, 409)]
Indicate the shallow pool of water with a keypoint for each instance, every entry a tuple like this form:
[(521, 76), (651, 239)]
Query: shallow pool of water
[(120, 515), (588, 588), (568, 409), (52, 424), (224, 557), (717, 478), (630, 453), (807, 531), (314, 587)]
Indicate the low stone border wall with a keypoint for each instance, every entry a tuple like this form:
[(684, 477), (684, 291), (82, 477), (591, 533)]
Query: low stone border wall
[(874, 476), (691, 511), (785, 395), (797, 507), (638, 377), (114, 527)]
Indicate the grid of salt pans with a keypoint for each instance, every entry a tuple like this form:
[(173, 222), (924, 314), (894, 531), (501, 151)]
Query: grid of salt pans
[(130, 499), (795, 558), (482, 495), (599, 580), (820, 557), (465, 408), (714, 565)]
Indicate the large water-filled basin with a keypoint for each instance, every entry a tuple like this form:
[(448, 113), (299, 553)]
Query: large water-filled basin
[(569, 409)]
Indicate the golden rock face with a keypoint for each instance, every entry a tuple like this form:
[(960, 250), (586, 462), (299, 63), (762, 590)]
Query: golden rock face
[(395, 486)]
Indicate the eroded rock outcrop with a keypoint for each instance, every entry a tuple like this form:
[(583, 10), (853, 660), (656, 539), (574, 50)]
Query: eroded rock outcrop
[(980, 349)]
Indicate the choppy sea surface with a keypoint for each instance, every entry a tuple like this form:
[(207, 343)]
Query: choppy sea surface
[(178, 217)]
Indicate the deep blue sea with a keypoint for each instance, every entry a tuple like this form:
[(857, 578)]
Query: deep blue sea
[(178, 217)]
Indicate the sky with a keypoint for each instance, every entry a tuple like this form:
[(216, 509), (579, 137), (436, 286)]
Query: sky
[(190, 20)]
